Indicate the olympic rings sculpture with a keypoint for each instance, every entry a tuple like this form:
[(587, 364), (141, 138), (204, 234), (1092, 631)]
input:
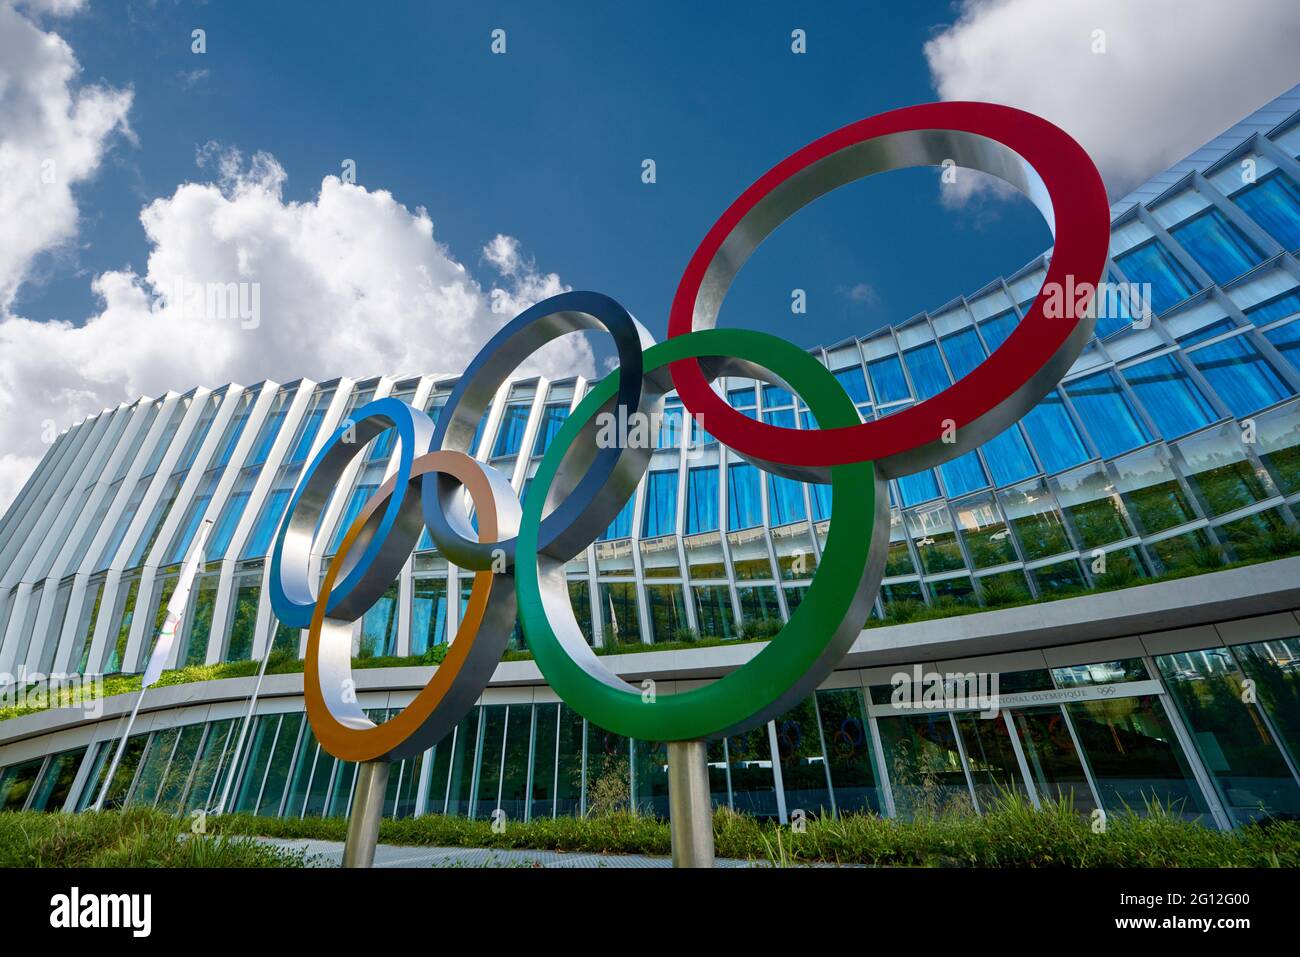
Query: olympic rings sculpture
[(518, 553)]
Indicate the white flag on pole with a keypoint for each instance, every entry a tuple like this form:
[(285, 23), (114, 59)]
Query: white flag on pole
[(162, 648)]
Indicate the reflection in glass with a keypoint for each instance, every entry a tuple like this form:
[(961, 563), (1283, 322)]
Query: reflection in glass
[(1234, 742), (1053, 761), (1149, 486), (1136, 761), (925, 769), (1032, 513), (1274, 666), (803, 765), (848, 751), (991, 757), (753, 787)]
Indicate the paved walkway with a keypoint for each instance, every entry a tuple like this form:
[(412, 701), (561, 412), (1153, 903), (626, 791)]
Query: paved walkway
[(330, 854)]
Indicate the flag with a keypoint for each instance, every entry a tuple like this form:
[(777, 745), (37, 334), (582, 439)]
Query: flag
[(162, 648)]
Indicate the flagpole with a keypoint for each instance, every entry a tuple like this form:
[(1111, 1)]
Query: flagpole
[(121, 746), (243, 729), (162, 647)]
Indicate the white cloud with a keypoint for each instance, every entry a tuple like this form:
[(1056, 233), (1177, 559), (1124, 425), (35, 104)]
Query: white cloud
[(861, 294), (55, 8), (53, 134), (350, 282), (1174, 72)]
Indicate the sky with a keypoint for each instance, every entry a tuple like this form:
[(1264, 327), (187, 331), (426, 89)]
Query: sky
[(395, 190)]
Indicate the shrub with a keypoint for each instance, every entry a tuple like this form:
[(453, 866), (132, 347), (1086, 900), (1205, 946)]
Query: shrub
[(903, 610), (140, 837), (999, 593), (1206, 556), (1119, 575), (761, 628), (688, 636)]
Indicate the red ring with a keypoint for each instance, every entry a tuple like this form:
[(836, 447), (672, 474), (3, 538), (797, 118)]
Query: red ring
[(1082, 218)]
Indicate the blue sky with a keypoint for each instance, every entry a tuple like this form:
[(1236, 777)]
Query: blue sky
[(546, 141)]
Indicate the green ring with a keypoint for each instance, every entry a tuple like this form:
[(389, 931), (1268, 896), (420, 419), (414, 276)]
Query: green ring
[(801, 650)]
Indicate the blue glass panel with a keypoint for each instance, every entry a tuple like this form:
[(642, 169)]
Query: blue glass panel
[(428, 615), (1112, 315), (270, 429), (356, 501), (854, 381), (1053, 433), (1220, 248), (437, 402), (510, 433), (963, 351), (1244, 379), (670, 428), (1275, 309), (1207, 332), (1008, 457), (228, 520), (382, 446), (553, 417), (1106, 414), (478, 431), (744, 509), (268, 523), (918, 488), (782, 418), (963, 474), (928, 374), (887, 380), (235, 429), (621, 527), (739, 398), (1274, 203), (774, 395), (702, 499), (997, 328), (1152, 263), (196, 439), (1286, 340), (1170, 396), (821, 501), (660, 516), (193, 516), (785, 500), (309, 426)]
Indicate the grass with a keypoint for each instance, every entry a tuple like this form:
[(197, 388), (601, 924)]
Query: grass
[(1011, 834), (135, 838), (896, 613)]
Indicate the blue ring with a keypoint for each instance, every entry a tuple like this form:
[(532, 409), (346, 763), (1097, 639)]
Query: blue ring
[(591, 500), (292, 598)]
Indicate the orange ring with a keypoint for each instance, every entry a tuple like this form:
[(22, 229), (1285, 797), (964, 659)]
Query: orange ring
[(352, 736)]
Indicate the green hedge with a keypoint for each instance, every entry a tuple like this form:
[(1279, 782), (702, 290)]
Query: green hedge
[(1013, 834)]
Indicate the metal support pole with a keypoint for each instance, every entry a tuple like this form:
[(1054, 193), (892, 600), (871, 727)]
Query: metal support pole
[(690, 804), (367, 809), (117, 756), (243, 729)]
